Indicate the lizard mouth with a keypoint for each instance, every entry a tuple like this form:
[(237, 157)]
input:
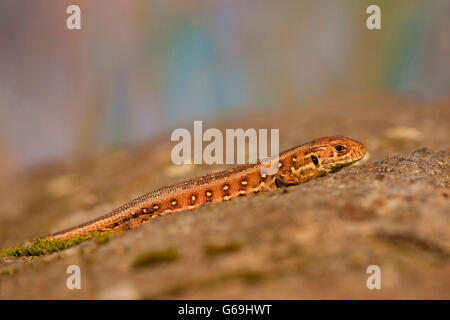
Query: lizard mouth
[(338, 165)]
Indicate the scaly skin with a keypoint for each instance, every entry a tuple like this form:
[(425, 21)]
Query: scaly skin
[(297, 165)]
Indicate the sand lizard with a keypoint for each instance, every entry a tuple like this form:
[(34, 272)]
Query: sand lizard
[(297, 165)]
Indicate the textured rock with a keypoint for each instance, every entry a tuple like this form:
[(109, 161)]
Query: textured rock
[(314, 240)]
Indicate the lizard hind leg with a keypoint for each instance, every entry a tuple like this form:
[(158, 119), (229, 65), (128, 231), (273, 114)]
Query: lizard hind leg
[(134, 223), (286, 179)]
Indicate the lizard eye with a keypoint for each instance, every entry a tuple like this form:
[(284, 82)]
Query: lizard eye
[(339, 148)]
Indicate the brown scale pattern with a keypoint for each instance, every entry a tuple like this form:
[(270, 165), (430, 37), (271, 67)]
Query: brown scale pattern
[(296, 165)]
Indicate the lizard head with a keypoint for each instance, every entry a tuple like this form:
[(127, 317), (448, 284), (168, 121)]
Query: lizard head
[(333, 153)]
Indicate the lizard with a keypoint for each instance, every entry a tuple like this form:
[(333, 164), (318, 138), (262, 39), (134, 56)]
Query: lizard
[(295, 166)]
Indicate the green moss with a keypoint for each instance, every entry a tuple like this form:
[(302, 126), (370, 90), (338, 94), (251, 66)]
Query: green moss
[(10, 271), (215, 250), (103, 238), (248, 276), (155, 257), (41, 247), (5, 272)]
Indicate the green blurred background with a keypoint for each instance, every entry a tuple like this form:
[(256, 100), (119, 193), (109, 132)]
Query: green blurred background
[(139, 68)]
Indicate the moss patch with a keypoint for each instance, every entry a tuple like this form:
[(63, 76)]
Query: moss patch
[(41, 247), (155, 257), (215, 250), (245, 275)]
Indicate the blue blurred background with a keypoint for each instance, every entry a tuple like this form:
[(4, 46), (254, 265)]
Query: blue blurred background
[(139, 68)]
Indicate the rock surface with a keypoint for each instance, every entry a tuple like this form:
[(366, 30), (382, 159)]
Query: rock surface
[(314, 240)]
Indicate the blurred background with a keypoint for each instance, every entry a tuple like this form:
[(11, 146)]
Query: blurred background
[(140, 68), (85, 123)]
